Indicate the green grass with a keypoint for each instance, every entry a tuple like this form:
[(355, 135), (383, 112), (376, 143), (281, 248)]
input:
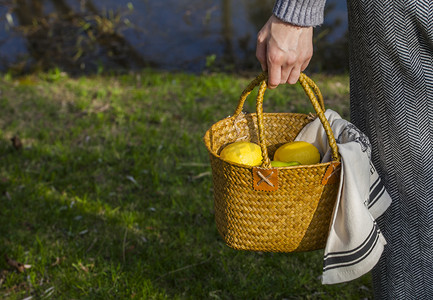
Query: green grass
[(111, 194)]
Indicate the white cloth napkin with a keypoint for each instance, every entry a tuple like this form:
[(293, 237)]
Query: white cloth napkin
[(355, 242)]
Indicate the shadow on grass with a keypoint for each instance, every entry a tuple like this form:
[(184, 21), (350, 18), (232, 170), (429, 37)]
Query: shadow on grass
[(130, 240), (117, 204)]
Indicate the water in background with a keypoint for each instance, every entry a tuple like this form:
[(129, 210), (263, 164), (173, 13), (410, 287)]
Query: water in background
[(168, 34)]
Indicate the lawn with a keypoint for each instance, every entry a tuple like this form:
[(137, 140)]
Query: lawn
[(109, 195)]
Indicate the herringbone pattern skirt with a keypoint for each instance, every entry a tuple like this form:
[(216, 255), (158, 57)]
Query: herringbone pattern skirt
[(391, 47)]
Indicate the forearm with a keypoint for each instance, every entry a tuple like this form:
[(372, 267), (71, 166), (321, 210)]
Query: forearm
[(300, 12)]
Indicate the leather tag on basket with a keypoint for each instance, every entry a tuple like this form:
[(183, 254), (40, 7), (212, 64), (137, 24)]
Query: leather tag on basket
[(332, 173), (265, 179)]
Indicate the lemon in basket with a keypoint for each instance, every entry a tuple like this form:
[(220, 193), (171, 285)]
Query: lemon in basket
[(276, 163), (245, 153), (303, 152)]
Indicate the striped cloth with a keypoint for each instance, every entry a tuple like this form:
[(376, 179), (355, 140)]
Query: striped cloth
[(354, 243), (391, 67)]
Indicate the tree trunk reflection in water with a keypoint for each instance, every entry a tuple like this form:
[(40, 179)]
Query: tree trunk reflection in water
[(76, 41), (227, 32)]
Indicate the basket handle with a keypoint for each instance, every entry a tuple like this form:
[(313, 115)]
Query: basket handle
[(313, 93)]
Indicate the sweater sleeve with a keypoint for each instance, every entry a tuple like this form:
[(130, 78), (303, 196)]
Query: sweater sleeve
[(300, 12)]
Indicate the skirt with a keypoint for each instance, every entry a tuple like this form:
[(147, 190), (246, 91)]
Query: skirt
[(391, 69)]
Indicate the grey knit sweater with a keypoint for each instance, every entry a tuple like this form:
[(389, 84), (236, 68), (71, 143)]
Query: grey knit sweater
[(300, 12)]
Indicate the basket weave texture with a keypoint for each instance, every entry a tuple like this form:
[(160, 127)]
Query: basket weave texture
[(293, 210)]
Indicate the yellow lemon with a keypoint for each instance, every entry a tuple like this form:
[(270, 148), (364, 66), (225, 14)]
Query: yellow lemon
[(245, 153), (276, 163), (300, 151)]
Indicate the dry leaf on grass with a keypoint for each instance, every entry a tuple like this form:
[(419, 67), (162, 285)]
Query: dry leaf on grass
[(17, 265), (58, 261), (86, 268), (16, 142)]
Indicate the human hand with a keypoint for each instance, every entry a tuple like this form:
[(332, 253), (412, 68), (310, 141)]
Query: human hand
[(284, 50)]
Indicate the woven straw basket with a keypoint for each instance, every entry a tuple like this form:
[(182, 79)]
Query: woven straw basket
[(282, 209)]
